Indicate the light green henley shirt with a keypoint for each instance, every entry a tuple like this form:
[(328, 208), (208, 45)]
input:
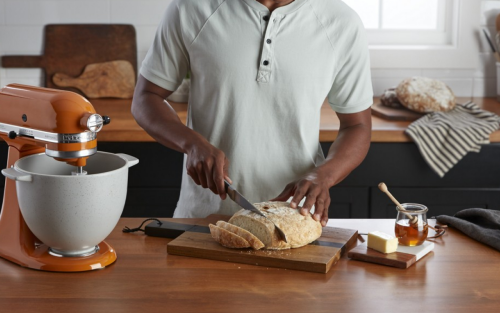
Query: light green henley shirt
[(258, 81)]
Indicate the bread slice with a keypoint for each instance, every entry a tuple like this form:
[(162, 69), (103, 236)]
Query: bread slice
[(252, 239), (300, 230), (227, 238)]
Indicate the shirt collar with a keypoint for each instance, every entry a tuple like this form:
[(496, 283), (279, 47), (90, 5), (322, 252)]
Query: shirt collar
[(289, 8)]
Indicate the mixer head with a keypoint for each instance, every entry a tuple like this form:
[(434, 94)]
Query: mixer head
[(62, 121)]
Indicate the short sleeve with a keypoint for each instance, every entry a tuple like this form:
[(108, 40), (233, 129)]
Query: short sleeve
[(352, 89), (166, 63)]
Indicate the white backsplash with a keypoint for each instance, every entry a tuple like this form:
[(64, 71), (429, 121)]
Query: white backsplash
[(22, 21)]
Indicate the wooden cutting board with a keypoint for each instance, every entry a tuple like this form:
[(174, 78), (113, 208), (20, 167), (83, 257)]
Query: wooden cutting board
[(395, 114), (68, 48), (318, 256), (404, 257), (115, 79)]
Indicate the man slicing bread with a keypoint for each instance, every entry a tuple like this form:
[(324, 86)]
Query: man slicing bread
[(260, 72)]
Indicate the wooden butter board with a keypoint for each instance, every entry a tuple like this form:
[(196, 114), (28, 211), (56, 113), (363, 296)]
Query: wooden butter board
[(68, 48), (404, 257), (318, 256), (113, 79), (394, 114)]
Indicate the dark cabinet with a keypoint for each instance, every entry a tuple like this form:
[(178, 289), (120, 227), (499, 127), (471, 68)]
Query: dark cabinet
[(154, 183), (349, 202)]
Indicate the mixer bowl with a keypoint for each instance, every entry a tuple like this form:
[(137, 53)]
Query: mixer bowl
[(71, 214)]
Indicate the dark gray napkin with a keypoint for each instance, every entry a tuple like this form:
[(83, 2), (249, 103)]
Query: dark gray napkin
[(480, 224)]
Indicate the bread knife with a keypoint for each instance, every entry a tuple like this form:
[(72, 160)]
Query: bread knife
[(245, 204)]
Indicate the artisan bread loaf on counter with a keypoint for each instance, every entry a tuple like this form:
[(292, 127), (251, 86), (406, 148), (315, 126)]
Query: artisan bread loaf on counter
[(425, 95), (227, 238), (300, 230), (252, 239)]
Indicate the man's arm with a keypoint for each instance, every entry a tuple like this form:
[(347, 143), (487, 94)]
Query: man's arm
[(206, 164), (345, 154)]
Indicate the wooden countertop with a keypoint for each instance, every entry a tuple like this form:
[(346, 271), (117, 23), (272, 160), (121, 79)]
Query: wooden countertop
[(460, 275), (124, 128)]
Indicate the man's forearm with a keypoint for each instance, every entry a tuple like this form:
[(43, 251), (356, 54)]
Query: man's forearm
[(347, 152), (162, 123)]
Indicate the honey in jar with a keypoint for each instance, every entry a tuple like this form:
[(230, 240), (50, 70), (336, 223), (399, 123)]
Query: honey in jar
[(411, 234)]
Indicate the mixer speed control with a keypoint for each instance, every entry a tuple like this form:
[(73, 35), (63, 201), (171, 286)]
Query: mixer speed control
[(92, 122)]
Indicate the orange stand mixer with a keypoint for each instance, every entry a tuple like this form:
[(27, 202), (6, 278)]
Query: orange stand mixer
[(63, 125)]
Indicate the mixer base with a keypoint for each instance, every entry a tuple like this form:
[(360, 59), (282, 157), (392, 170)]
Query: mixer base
[(73, 254), (41, 259)]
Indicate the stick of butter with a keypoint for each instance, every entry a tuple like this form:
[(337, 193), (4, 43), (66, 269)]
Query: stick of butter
[(382, 242)]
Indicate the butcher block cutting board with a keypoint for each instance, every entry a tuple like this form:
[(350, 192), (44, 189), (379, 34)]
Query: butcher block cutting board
[(69, 48), (318, 256), (395, 114)]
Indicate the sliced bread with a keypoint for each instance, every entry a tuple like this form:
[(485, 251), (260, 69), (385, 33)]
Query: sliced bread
[(227, 238), (252, 239), (300, 230)]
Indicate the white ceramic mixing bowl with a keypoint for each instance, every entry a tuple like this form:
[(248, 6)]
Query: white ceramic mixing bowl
[(71, 214)]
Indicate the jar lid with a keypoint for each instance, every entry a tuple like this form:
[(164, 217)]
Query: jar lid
[(413, 208)]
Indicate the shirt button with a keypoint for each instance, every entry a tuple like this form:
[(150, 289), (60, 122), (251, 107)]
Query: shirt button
[(266, 62), (269, 41), (266, 18)]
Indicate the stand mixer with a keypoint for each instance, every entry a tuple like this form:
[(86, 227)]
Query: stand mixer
[(62, 125)]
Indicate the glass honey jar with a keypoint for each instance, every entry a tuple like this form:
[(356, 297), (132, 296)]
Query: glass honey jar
[(411, 224)]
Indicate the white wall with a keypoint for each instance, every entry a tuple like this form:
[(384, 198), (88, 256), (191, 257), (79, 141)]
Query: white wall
[(22, 21)]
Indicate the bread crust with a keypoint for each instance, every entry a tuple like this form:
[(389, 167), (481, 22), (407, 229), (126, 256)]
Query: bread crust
[(248, 236), (300, 230), (425, 95), (390, 99), (227, 238)]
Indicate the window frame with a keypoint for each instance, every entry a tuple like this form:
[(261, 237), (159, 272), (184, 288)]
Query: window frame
[(439, 36), (459, 52)]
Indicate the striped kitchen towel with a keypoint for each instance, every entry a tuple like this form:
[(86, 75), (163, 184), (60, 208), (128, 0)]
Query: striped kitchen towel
[(444, 138)]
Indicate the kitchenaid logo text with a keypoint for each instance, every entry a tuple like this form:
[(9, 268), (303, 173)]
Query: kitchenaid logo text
[(71, 137), (84, 137)]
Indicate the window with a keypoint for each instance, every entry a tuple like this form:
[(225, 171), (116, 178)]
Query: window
[(421, 33), (406, 22)]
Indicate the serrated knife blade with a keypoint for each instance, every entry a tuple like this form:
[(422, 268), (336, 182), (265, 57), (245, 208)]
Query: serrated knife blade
[(245, 204)]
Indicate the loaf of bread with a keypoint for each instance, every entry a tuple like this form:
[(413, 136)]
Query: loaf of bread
[(252, 239), (425, 95), (390, 99), (227, 238), (300, 230)]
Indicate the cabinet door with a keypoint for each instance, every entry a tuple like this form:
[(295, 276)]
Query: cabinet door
[(151, 202), (348, 202), (440, 201), (158, 165)]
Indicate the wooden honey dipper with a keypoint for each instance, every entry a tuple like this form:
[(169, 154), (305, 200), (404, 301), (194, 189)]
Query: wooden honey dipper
[(413, 219)]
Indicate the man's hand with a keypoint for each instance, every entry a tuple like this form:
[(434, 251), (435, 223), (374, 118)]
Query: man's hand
[(208, 167), (315, 188), (346, 153)]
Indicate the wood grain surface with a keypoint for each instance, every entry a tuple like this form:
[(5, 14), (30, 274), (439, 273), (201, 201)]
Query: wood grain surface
[(317, 257), (395, 114), (460, 275), (114, 79), (395, 259), (68, 48), (124, 128)]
